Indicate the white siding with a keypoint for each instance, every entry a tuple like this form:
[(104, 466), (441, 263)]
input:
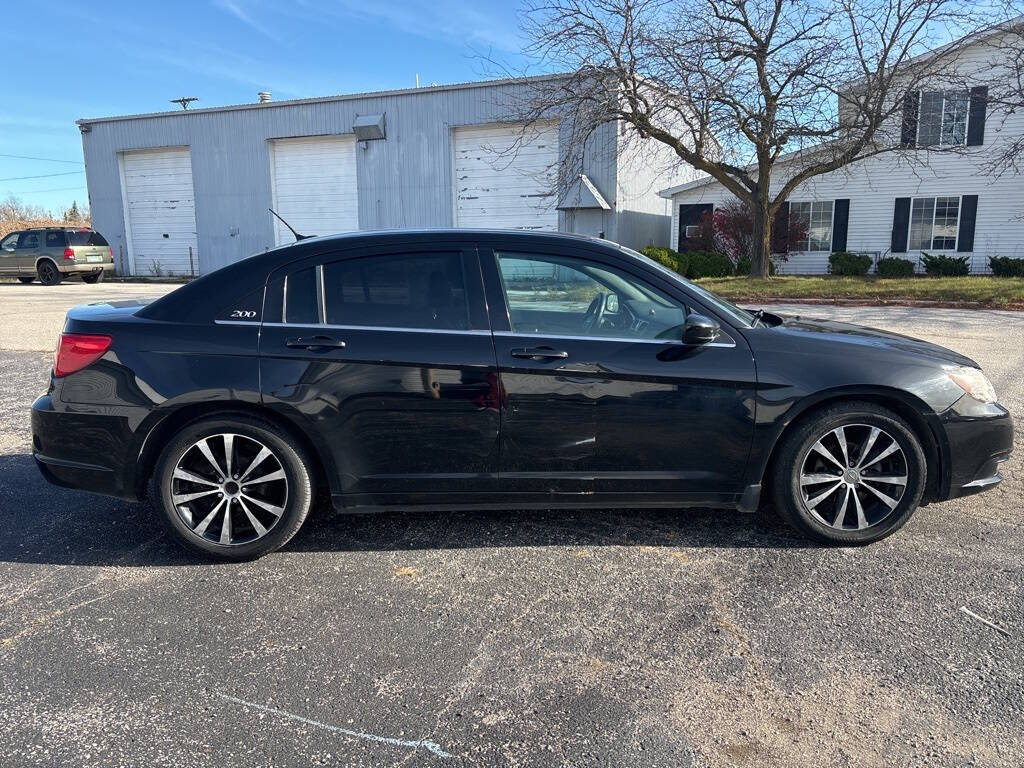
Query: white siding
[(160, 211), (873, 185), (314, 186), (503, 179)]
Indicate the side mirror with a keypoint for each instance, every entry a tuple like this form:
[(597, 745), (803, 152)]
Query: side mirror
[(699, 329), (611, 304)]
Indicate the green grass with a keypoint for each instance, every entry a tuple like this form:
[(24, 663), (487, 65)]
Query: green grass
[(1001, 292)]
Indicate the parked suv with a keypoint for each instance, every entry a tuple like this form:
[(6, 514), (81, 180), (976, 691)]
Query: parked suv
[(53, 253)]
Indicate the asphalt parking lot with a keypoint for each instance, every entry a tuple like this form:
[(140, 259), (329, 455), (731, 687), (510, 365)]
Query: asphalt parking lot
[(662, 638)]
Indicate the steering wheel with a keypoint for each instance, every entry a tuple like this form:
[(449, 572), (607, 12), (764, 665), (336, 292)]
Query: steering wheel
[(595, 313)]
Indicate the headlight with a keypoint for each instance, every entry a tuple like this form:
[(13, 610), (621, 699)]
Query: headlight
[(973, 382)]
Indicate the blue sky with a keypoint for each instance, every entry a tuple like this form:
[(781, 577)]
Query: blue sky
[(111, 58)]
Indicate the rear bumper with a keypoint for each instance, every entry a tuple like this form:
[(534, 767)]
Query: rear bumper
[(980, 438), (80, 450), (74, 268)]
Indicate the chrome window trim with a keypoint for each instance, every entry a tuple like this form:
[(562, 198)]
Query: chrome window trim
[(321, 301), (394, 328), (236, 322), (513, 334), (284, 300)]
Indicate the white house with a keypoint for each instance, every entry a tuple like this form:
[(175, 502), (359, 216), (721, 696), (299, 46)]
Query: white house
[(911, 202)]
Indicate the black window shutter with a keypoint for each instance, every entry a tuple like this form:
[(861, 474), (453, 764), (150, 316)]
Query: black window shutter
[(840, 224), (976, 122), (780, 229), (900, 223), (968, 217), (911, 102)]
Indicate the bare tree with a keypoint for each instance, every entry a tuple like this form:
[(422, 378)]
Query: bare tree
[(761, 95), (1006, 56)]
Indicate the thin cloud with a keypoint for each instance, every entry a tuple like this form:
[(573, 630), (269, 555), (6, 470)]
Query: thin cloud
[(233, 8), (434, 20)]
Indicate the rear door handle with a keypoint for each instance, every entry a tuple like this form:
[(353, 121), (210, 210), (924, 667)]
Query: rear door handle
[(539, 353), (315, 342)]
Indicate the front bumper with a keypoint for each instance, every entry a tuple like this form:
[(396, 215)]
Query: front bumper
[(979, 438)]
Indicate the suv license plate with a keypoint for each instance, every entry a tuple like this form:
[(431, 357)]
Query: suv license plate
[(92, 259)]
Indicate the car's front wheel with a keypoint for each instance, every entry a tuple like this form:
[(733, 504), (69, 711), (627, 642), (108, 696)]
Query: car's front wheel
[(849, 474), (48, 273), (234, 488)]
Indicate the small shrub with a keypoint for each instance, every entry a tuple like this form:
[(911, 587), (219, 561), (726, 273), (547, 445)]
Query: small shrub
[(892, 266), (941, 265), (1004, 266), (664, 256), (708, 264), (847, 263)]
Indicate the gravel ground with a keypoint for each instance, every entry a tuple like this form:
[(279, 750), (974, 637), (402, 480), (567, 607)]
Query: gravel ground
[(533, 638)]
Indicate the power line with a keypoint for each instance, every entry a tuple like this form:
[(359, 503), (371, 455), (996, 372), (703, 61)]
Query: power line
[(43, 176), (57, 189), (43, 159)]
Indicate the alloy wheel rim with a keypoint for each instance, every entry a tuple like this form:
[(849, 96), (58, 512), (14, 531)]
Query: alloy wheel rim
[(853, 476), (229, 489)]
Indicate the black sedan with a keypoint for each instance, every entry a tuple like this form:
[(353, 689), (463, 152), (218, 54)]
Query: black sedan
[(479, 369)]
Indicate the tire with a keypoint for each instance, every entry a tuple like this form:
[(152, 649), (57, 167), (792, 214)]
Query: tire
[(26, 280), (94, 278), (866, 509), (293, 493), (48, 273)]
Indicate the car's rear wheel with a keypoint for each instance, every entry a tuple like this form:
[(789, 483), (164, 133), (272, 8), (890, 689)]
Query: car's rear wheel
[(48, 273), (26, 279), (234, 488), (849, 474), (96, 277)]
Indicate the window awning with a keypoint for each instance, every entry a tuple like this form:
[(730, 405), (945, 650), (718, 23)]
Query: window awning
[(582, 193)]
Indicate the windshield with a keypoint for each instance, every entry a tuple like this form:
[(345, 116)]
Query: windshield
[(739, 316)]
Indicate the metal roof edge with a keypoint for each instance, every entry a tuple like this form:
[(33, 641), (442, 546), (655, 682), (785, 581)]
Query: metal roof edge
[(326, 99)]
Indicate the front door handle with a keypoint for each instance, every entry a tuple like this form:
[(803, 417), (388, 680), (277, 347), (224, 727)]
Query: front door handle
[(539, 353), (315, 342)]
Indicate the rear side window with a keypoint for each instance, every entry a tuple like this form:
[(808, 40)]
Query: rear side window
[(86, 237), (300, 298), (414, 290), (55, 238), (28, 240)]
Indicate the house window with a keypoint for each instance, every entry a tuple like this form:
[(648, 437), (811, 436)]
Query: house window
[(943, 118), (816, 218), (933, 223)]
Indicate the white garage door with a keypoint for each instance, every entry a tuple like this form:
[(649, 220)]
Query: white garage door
[(314, 186), (160, 211), (500, 184)]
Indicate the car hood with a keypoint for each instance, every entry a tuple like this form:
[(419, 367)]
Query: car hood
[(848, 333)]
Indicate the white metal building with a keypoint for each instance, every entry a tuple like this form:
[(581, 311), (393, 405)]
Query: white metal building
[(440, 156)]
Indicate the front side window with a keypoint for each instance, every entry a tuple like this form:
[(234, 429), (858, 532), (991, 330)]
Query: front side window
[(816, 220), (28, 240), (933, 223), (9, 243), (410, 290), (564, 296), (943, 118)]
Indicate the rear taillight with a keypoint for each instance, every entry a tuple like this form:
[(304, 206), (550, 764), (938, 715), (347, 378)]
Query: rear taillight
[(77, 350), (69, 254), (111, 253)]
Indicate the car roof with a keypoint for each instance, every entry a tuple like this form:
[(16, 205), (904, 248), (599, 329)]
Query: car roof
[(196, 300)]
